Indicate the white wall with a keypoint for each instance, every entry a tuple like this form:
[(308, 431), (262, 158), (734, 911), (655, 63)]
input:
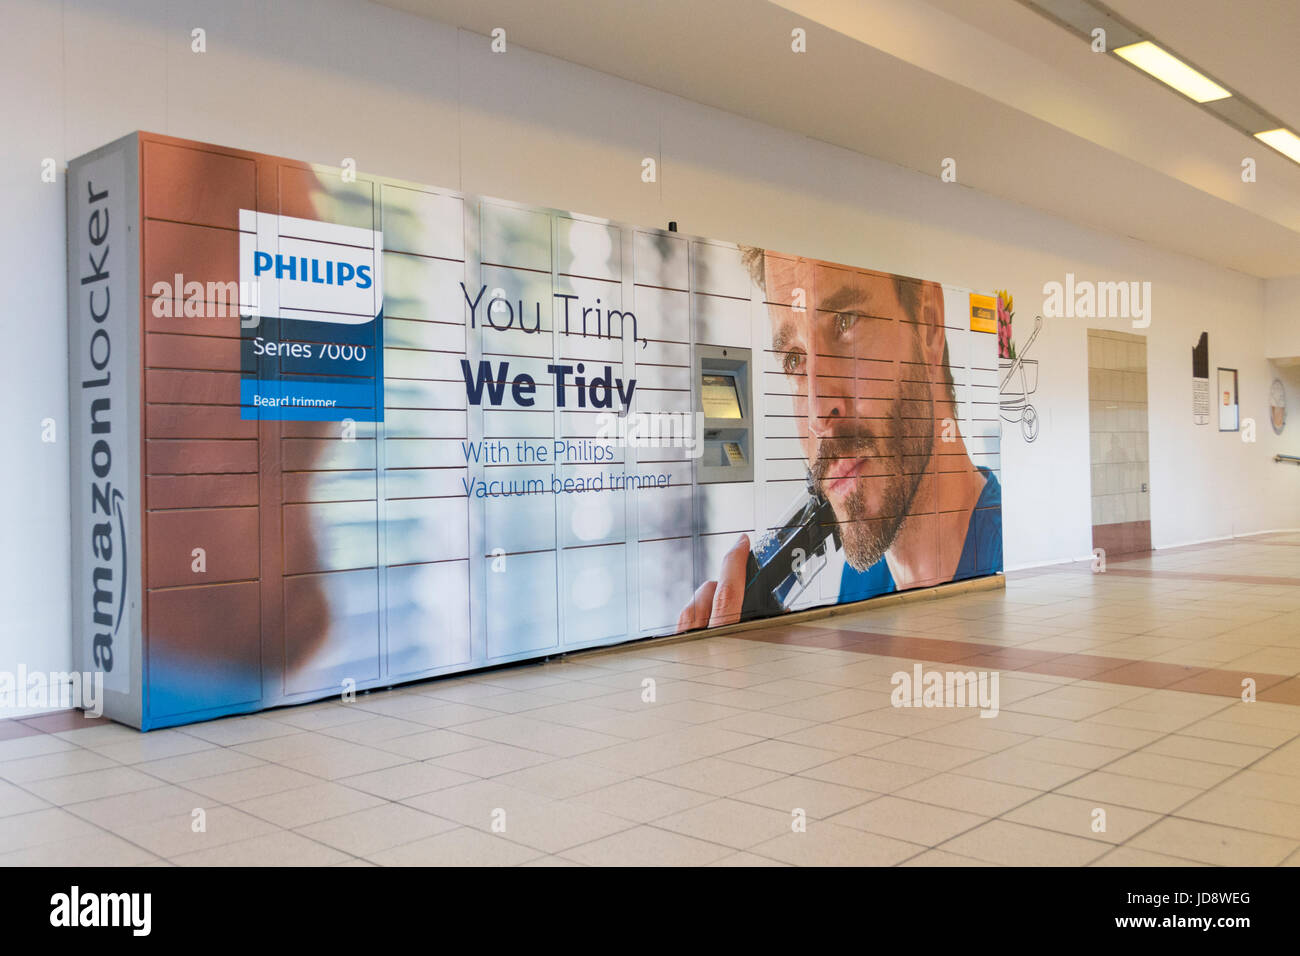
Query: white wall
[(410, 98), (1282, 318)]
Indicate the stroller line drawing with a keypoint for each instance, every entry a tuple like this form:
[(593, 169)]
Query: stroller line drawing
[(1014, 398)]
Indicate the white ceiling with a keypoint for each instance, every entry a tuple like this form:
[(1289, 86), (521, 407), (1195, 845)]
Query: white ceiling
[(1252, 43), (1031, 114)]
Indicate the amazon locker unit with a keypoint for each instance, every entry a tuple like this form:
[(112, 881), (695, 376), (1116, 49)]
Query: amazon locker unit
[(334, 432)]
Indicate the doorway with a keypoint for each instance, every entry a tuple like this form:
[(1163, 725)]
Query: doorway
[(1120, 456)]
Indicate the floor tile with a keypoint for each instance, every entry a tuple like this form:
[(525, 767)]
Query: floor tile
[(868, 773), (96, 849), (238, 730), (942, 858), (1013, 844), (829, 844), (1211, 843), (909, 820), (151, 746), (729, 822), (15, 800), (781, 756), (62, 720), (249, 783), (556, 827), (818, 799), (205, 763), (475, 804), (366, 832), (1075, 816), (186, 832), (716, 776), (1154, 766), (79, 787), (1106, 788), (459, 847), (140, 806), (562, 779), (925, 753), (347, 759), (984, 797), (1207, 751), (648, 846), (58, 764), (1020, 771), (310, 804), (278, 849), (643, 800), (491, 760), (51, 825), (1243, 812), (406, 780), (746, 859), (1128, 856)]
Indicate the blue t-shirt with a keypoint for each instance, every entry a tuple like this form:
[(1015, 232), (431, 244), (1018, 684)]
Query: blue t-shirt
[(981, 554)]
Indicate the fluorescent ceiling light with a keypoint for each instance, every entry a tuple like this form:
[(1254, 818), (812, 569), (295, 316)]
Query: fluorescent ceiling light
[(1171, 71), (1283, 140)]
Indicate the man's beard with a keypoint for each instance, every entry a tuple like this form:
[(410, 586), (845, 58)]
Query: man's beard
[(868, 536)]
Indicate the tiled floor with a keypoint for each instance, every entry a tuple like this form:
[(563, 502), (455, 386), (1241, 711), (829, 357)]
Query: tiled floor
[(1120, 692)]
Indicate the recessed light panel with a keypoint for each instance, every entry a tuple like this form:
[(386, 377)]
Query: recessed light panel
[(1283, 140), (1171, 71)]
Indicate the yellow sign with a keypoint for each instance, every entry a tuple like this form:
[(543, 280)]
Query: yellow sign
[(983, 313)]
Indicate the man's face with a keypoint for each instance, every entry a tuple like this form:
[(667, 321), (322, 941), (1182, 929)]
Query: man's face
[(859, 368)]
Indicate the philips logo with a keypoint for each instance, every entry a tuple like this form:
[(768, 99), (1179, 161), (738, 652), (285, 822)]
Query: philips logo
[(308, 270), (304, 269)]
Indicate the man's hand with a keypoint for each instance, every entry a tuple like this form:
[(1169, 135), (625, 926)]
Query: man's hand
[(719, 602)]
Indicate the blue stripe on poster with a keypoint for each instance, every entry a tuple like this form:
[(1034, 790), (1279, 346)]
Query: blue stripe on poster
[(318, 400)]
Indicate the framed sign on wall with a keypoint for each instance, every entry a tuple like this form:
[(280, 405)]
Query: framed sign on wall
[(1201, 381), (1229, 415), (1277, 406)]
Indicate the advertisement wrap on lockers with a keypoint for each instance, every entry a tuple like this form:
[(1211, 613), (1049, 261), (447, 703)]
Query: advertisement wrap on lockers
[(335, 431)]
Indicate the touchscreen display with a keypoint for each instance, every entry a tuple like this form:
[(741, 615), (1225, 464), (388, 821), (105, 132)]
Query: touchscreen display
[(720, 398)]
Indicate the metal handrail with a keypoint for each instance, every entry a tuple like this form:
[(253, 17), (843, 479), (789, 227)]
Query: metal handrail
[(1294, 458)]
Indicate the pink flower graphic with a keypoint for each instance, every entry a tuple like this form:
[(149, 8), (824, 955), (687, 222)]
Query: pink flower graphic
[(1006, 347)]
